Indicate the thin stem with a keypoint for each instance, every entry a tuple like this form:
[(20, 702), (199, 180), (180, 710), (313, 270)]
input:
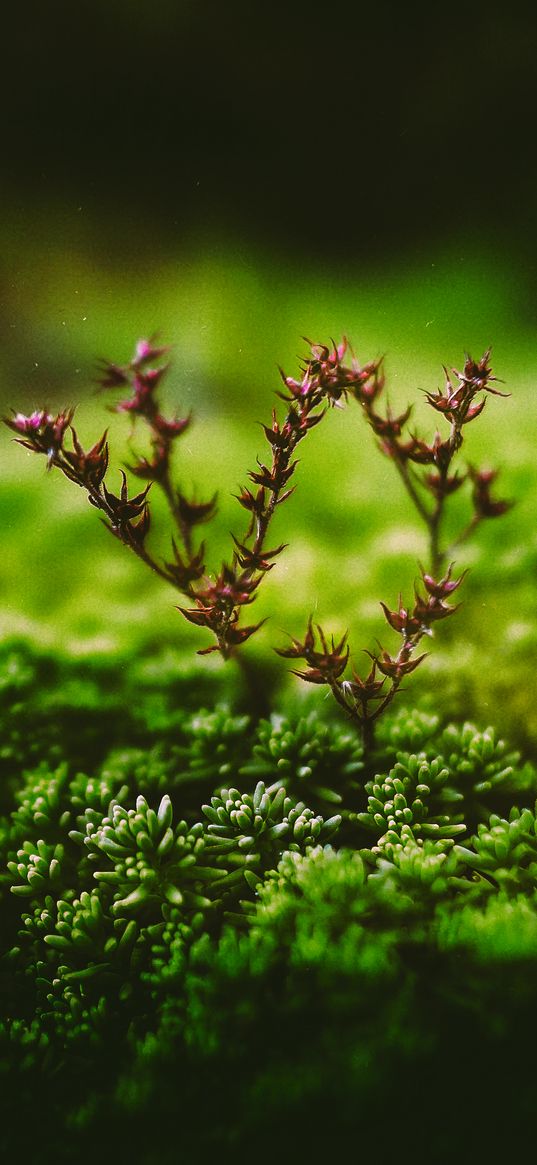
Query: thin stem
[(436, 555), (386, 701), (185, 530), (123, 533), (144, 556), (280, 463), (412, 492), (464, 535), (368, 737)]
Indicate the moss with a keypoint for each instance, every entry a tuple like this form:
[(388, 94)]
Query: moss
[(233, 918)]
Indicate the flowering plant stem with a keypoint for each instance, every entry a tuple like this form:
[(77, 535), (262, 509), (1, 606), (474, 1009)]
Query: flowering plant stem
[(326, 381)]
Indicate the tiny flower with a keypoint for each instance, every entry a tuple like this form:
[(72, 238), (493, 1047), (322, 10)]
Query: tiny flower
[(303, 390), (87, 468), (201, 616), (362, 691), (235, 636), (438, 453), (249, 560), (389, 426), (396, 668), (154, 470), (41, 432), (272, 479), (373, 382), (440, 402), (184, 571), (145, 352), (112, 375), (326, 376), (441, 485), (325, 666), (430, 610), (299, 650), (484, 505), (141, 403), (443, 587), (478, 374), (28, 425), (228, 591), (256, 504), (402, 620), (193, 513), (475, 410), (170, 429), (123, 509), (276, 436)]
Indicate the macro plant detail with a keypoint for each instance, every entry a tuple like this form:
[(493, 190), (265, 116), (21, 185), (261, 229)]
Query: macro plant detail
[(181, 881), (151, 946), (329, 378)]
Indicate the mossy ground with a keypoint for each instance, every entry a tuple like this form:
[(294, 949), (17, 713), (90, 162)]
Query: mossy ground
[(254, 981)]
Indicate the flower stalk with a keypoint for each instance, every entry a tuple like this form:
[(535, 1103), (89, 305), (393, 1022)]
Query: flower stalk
[(328, 379)]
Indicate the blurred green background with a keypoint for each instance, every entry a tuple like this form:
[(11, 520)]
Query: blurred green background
[(234, 179)]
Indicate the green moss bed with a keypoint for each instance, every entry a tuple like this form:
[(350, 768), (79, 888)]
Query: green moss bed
[(227, 938)]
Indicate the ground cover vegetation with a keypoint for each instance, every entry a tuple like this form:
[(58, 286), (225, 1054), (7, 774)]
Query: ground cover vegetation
[(232, 929)]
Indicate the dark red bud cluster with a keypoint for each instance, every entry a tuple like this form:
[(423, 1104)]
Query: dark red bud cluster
[(397, 667), (143, 381), (41, 432), (438, 452), (86, 468), (388, 427), (142, 402), (154, 469), (193, 513), (145, 352), (326, 366), (274, 478), (325, 376), (455, 405), (324, 666), (440, 485), (230, 637), (251, 560), (218, 609), (254, 503), (143, 375), (484, 505), (430, 610), (427, 609), (405, 622), (297, 424), (364, 691), (459, 404), (477, 374), (444, 587), (173, 428), (185, 569), (122, 510), (456, 402)]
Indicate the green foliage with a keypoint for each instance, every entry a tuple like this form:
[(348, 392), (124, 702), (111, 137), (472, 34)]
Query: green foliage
[(487, 772), (216, 906), (412, 795), (308, 758), (505, 851)]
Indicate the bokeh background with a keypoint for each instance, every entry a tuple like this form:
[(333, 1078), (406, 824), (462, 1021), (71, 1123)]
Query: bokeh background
[(235, 176)]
